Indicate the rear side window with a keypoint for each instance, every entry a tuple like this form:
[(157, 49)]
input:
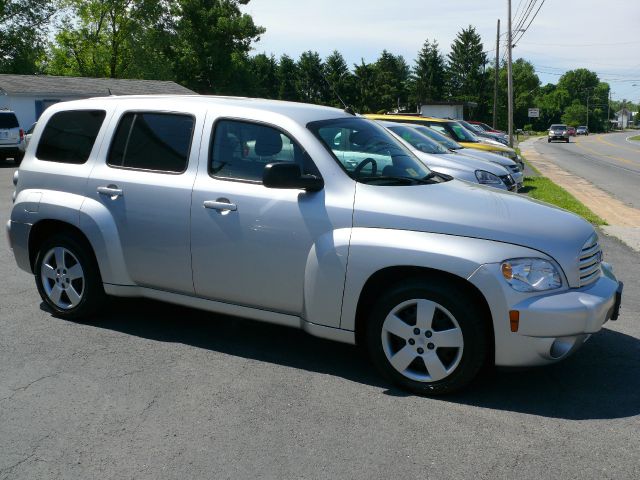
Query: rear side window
[(8, 120), (152, 141), (69, 136)]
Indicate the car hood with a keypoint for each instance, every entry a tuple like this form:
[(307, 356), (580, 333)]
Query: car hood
[(471, 210), (459, 162), (487, 156)]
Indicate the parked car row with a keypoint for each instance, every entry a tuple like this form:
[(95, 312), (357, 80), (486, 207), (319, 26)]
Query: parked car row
[(309, 217)]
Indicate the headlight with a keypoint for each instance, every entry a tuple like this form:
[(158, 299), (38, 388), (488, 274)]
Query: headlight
[(530, 274), (487, 178)]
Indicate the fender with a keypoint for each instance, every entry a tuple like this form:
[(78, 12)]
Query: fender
[(373, 249), (325, 272)]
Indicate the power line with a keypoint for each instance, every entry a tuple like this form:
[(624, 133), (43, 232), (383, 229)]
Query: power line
[(530, 22), (581, 44)]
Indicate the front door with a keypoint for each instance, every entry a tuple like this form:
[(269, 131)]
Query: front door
[(251, 245)]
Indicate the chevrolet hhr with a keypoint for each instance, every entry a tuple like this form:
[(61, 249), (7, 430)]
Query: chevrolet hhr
[(247, 207)]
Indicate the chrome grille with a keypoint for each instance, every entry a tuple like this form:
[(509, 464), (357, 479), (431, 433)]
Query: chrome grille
[(589, 261)]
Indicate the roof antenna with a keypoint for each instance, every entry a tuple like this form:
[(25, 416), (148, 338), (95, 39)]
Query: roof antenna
[(347, 108)]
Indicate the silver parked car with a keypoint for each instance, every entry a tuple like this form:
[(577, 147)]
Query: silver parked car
[(11, 137), (259, 209), (515, 167), (441, 160)]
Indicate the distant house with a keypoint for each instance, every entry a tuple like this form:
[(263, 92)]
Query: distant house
[(30, 95), (624, 118)]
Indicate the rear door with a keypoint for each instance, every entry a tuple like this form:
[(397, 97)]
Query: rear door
[(144, 177)]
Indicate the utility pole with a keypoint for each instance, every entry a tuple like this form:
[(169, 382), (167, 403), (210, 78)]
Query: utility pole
[(497, 74), (608, 112), (509, 76), (588, 97)]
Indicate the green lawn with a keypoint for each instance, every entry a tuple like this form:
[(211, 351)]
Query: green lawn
[(541, 188), (637, 138)]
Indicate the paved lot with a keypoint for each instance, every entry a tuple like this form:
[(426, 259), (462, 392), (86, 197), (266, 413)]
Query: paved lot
[(156, 391), (608, 161)]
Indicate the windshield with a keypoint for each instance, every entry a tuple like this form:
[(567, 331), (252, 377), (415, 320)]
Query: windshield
[(471, 127), (438, 137), (558, 127), (418, 140), (370, 154)]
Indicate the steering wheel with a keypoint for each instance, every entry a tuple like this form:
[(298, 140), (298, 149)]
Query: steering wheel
[(364, 163)]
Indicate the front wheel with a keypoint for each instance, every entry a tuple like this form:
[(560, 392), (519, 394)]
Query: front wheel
[(68, 278), (427, 337)]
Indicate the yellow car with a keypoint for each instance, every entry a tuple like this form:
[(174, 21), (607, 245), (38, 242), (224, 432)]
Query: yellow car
[(452, 129)]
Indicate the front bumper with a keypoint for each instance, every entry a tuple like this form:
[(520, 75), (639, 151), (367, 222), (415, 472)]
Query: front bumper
[(558, 137), (551, 325)]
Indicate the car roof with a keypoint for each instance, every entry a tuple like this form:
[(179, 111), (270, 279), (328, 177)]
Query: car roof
[(299, 112), (408, 118)]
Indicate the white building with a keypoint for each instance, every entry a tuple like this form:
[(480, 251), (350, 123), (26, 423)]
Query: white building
[(624, 118), (29, 95)]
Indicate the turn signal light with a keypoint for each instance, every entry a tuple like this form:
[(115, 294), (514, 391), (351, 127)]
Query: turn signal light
[(514, 320)]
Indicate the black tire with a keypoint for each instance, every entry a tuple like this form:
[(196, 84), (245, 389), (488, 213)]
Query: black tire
[(567, 140), (548, 140), (449, 299), (92, 294)]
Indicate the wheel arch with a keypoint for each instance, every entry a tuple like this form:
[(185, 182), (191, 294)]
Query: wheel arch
[(46, 228), (381, 279)]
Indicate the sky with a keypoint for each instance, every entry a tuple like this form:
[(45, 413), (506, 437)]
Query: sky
[(603, 36)]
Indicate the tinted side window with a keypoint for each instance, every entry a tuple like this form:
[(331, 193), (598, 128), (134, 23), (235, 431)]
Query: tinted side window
[(69, 136), (240, 150), (152, 141)]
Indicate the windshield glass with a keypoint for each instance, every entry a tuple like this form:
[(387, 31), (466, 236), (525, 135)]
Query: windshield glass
[(471, 127), (558, 127), (438, 137), (370, 154), (418, 140)]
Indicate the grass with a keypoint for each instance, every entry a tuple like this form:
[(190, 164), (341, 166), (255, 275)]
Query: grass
[(541, 188), (637, 138)]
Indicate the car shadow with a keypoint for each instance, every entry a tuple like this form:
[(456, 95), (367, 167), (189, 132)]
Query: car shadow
[(600, 381)]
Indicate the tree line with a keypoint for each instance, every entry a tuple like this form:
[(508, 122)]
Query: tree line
[(206, 45)]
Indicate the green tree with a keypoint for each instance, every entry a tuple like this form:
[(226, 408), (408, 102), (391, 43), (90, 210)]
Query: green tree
[(340, 79), (105, 38), (428, 76), (263, 71), (311, 86), (391, 74), (23, 31), (211, 39), (287, 79), (364, 75), (575, 114), (466, 75)]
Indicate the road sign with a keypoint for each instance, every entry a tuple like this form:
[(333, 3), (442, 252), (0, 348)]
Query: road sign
[(534, 112)]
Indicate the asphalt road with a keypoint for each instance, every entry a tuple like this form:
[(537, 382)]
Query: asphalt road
[(608, 161), (151, 391)]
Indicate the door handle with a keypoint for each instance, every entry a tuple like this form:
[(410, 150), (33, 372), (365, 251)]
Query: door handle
[(110, 190), (222, 204)]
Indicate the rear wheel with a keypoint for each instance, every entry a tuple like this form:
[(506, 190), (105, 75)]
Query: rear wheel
[(427, 337), (68, 278)]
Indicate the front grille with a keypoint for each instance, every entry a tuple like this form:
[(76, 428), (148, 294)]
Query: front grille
[(589, 261)]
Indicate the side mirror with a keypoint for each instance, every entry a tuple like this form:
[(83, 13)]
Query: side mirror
[(289, 175)]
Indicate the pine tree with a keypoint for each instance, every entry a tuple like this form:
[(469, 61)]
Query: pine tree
[(428, 76), (467, 78), (311, 86), (287, 79), (339, 78)]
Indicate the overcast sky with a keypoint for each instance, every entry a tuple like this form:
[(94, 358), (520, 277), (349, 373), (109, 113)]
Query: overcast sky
[(601, 35)]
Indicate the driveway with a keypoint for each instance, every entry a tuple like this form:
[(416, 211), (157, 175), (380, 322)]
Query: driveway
[(153, 391)]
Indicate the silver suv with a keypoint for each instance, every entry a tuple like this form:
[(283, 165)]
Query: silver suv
[(258, 209), (558, 132), (12, 143)]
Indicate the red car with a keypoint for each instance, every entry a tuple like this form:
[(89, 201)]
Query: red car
[(571, 131), (485, 127)]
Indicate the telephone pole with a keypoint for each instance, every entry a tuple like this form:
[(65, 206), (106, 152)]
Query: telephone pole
[(509, 76), (497, 74)]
